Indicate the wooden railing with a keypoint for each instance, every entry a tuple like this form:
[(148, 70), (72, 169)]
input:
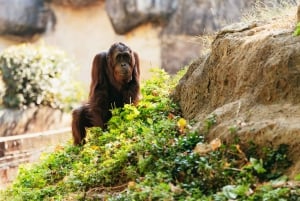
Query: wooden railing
[(20, 149)]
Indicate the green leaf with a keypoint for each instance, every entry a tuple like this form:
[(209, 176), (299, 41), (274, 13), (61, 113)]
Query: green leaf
[(297, 177), (257, 165), (229, 192)]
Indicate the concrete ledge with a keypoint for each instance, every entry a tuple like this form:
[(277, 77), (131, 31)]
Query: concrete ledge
[(32, 135)]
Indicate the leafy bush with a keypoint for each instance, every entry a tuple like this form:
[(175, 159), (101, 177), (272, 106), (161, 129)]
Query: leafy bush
[(148, 152), (38, 75)]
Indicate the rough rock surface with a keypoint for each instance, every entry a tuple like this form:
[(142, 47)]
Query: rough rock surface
[(74, 3), (177, 51), (198, 16), (128, 14), (192, 18), (186, 17), (298, 14), (251, 82), (14, 122), (25, 17)]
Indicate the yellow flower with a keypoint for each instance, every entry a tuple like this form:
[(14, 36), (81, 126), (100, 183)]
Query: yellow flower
[(181, 124)]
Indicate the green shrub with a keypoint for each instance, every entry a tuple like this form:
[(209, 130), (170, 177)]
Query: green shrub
[(38, 75)]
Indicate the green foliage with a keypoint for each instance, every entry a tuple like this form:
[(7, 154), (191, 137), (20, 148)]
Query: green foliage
[(297, 30), (209, 122), (148, 153), (38, 75)]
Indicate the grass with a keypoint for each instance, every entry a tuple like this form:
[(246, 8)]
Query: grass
[(283, 12)]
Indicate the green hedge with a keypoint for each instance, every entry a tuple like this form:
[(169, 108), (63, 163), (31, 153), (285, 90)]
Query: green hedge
[(38, 75)]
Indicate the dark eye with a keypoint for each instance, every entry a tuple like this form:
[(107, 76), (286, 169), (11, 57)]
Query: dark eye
[(125, 57), (118, 57)]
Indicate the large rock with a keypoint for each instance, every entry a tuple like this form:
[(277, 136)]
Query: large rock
[(187, 17), (25, 17), (74, 3), (198, 16), (247, 61), (192, 18), (250, 81), (177, 51), (128, 14)]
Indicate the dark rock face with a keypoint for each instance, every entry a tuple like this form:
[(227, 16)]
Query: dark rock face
[(25, 17), (180, 16), (74, 3), (199, 16), (128, 14)]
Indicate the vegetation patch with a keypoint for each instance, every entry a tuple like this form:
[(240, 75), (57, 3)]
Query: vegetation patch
[(38, 75), (297, 30), (150, 152)]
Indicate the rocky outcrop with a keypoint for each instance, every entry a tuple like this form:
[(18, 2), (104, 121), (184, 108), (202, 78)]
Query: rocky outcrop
[(25, 17), (192, 18), (178, 16), (128, 14), (198, 16), (250, 82), (74, 3), (178, 51)]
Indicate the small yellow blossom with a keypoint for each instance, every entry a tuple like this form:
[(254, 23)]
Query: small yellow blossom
[(181, 124)]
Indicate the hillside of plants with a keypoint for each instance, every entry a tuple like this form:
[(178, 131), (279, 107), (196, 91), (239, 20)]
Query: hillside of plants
[(149, 152)]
